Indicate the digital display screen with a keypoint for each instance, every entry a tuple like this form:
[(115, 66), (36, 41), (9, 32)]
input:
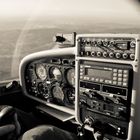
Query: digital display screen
[(98, 73), (122, 46)]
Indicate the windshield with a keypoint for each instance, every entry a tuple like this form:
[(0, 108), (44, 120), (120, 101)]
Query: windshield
[(28, 26)]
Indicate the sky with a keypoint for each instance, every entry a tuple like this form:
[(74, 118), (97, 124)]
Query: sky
[(102, 8)]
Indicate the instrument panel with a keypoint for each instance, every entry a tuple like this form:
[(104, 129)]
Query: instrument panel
[(107, 70), (97, 79), (52, 80)]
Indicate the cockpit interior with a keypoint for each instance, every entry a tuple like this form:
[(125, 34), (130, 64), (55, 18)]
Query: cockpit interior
[(87, 87), (69, 70)]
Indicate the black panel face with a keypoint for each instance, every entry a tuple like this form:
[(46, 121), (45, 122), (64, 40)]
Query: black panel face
[(92, 86), (115, 90), (105, 97), (52, 80)]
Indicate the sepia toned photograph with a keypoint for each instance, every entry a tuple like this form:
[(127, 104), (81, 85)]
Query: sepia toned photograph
[(69, 70)]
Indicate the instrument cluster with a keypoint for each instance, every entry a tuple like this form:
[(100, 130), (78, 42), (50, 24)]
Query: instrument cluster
[(94, 82), (52, 80)]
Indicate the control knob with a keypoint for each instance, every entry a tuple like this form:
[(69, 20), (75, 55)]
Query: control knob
[(132, 44), (105, 43), (94, 43), (99, 43), (125, 55), (105, 54), (88, 42), (132, 56), (99, 54), (118, 55), (112, 43), (111, 55), (93, 53)]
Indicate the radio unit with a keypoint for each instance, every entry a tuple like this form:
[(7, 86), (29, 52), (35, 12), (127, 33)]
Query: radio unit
[(106, 79), (107, 47), (104, 73)]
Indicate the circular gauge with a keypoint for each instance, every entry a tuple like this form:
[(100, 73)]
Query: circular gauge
[(71, 77), (58, 94), (41, 71), (55, 73)]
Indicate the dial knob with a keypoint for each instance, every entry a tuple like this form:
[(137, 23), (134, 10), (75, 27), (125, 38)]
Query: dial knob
[(125, 55), (105, 54), (132, 56), (94, 42), (132, 44), (105, 42), (118, 55), (99, 42), (88, 42), (112, 43), (111, 55), (99, 54), (93, 53)]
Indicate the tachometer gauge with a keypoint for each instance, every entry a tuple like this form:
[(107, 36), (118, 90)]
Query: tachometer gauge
[(70, 76), (41, 71), (55, 73)]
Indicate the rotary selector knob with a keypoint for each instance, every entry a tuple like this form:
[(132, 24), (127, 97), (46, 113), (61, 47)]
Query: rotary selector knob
[(88, 42), (125, 55), (99, 43), (118, 55), (112, 43), (94, 42), (111, 55), (99, 54), (105, 43), (132, 44), (93, 53), (132, 56), (105, 54)]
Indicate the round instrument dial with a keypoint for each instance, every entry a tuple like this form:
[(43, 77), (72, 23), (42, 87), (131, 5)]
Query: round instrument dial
[(71, 77), (41, 71), (58, 94), (55, 73)]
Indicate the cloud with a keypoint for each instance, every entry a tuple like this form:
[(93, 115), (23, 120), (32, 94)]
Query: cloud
[(102, 8)]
